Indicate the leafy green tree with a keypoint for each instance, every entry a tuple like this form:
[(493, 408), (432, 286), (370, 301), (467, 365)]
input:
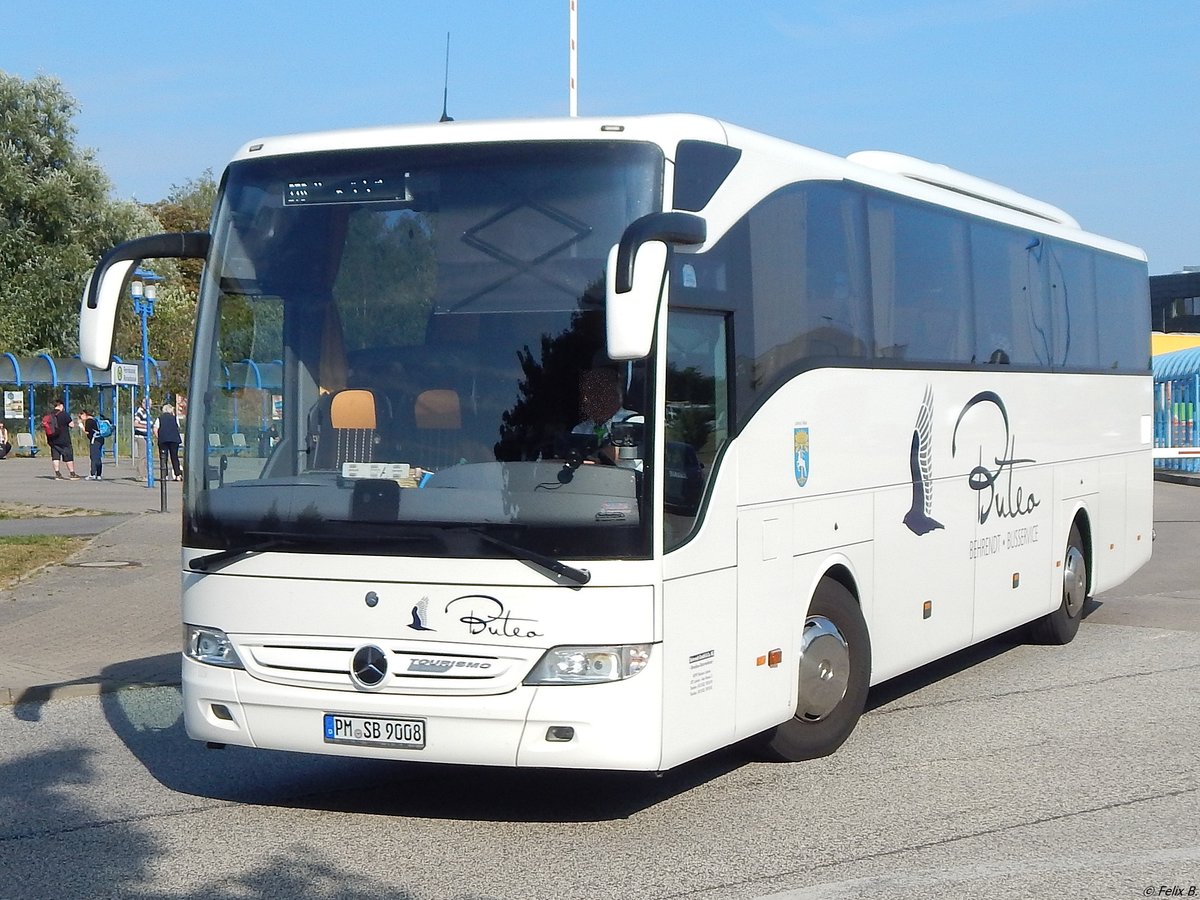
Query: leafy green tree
[(56, 217), (188, 207)]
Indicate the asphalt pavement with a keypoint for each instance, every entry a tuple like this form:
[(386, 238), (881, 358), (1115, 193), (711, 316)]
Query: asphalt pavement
[(108, 617)]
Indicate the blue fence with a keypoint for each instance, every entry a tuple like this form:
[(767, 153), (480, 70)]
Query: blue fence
[(1176, 405)]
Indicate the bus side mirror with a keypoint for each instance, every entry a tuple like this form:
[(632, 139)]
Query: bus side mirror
[(102, 292), (636, 272), (98, 312), (629, 316)]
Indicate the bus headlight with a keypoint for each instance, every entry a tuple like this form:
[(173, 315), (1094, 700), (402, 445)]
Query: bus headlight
[(209, 645), (589, 665)]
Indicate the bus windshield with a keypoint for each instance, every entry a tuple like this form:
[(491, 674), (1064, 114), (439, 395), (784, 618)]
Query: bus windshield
[(401, 351)]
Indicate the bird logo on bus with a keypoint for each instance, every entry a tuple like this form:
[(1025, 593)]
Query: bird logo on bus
[(919, 517)]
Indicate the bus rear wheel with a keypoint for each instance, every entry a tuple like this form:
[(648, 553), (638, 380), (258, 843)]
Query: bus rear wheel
[(835, 673), (1060, 626)]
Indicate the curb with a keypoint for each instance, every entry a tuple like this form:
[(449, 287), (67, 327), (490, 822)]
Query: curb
[(1177, 477)]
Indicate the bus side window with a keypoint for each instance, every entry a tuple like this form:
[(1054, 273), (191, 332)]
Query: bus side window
[(697, 416)]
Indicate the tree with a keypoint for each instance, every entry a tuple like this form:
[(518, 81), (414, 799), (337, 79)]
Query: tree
[(188, 207), (56, 217)]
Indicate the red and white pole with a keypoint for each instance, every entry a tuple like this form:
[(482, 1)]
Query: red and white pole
[(574, 58)]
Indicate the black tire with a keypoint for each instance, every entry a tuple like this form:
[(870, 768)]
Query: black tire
[(1061, 626), (821, 724)]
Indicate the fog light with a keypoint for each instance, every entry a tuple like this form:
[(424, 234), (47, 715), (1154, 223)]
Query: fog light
[(560, 733), (221, 711)]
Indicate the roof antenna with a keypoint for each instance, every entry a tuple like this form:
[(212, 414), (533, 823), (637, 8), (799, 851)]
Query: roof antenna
[(446, 84)]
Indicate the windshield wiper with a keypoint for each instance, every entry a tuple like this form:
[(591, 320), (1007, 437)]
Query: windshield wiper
[(579, 576), (221, 558), (271, 540)]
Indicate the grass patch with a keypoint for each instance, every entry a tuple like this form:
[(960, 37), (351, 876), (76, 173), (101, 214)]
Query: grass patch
[(14, 510), (21, 554)]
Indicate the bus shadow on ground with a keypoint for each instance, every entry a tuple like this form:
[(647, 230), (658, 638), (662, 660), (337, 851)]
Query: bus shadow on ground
[(931, 673), (149, 721)]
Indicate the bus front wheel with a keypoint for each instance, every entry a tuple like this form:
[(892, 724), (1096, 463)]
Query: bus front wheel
[(1060, 626), (835, 673)]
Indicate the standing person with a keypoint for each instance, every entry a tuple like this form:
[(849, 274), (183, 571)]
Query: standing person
[(166, 432), (60, 439), (95, 444), (5, 446), (141, 424), (141, 420)]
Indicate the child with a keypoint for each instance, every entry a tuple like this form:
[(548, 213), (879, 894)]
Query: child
[(95, 444)]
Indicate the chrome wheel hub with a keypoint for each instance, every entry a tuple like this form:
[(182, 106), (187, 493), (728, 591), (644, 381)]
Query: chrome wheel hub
[(1074, 582), (824, 669)]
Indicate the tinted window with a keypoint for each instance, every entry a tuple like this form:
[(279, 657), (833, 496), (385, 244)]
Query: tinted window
[(808, 278), (826, 273), (1012, 316), (919, 273), (700, 168), (1071, 278), (795, 270), (1122, 313), (697, 414)]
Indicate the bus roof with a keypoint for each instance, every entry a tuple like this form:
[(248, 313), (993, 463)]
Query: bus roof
[(919, 179)]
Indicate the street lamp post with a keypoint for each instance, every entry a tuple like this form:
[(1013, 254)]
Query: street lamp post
[(144, 295)]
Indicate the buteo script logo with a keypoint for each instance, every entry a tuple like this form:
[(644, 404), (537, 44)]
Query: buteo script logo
[(1007, 500)]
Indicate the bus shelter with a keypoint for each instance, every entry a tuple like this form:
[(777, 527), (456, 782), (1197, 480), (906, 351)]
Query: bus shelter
[(1176, 403), (254, 388), (32, 383)]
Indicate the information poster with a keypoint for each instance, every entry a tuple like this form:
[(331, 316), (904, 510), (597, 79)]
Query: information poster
[(14, 404)]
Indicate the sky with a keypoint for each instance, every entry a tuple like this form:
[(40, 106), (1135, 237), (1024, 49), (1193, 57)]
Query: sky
[(1090, 105)]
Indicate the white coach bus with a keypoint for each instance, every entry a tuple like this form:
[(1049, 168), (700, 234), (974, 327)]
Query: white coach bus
[(605, 443)]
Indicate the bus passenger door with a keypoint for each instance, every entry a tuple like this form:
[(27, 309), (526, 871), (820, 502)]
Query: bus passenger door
[(768, 609)]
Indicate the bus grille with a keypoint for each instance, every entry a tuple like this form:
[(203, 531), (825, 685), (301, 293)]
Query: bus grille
[(427, 670)]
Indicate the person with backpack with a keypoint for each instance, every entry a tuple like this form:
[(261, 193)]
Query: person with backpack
[(57, 425), (97, 428)]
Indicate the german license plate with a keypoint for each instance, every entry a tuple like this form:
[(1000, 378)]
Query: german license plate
[(373, 732)]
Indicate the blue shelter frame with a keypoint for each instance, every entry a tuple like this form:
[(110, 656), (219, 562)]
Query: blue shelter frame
[(1176, 406), (54, 376)]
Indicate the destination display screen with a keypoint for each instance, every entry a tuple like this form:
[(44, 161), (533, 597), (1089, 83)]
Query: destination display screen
[(367, 189)]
